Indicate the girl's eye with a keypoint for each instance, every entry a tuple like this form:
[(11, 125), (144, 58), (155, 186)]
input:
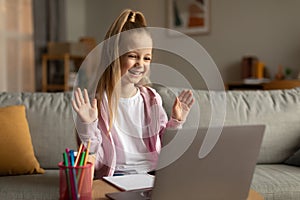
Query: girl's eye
[(132, 56), (147, 58)]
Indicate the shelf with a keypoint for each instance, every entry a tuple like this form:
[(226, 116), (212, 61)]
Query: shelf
[(272, 85), (282, 84), (64, 57)]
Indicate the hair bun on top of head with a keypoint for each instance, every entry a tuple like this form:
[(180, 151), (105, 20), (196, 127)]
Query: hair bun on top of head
[(136, 17), (131, 17)]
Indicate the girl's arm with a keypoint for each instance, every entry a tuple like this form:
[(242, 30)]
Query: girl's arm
[(87, 119), (87, 124)]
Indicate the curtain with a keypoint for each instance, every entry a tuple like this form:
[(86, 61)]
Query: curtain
[(16, 41), (49, 18)]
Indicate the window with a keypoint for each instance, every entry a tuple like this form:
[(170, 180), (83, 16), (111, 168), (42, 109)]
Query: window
[(17, 50)]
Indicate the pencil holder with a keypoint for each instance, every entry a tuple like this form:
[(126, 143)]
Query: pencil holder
[(75, 183)]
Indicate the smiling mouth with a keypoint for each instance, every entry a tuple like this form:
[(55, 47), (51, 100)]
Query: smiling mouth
[(136, 72)]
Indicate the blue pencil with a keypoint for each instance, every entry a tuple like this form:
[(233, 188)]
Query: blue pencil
[(72, 158)]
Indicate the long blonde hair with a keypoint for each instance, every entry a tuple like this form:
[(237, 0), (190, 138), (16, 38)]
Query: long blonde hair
[(108, 82)]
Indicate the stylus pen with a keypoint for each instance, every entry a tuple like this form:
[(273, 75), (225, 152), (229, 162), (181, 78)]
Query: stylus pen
[(122, 173), (118, 174)]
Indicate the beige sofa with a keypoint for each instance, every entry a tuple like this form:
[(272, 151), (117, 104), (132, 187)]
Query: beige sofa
[(51, 126)]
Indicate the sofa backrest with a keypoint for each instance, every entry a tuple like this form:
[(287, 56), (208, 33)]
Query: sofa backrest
[(279, 110), (51, 124), (52, 129)]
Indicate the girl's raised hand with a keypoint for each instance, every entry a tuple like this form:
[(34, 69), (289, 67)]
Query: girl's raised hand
[(87, 111), (182, 105)]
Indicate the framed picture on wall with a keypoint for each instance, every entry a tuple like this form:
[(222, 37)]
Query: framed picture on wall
[(189, 16)]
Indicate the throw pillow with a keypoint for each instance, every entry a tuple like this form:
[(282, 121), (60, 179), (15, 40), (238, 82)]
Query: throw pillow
[(294, 159), (16, 154)]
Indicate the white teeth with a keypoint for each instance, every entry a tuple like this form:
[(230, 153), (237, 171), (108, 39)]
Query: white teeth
[(135, 72)]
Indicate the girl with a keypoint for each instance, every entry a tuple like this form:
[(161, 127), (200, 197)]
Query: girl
[(126, 121)]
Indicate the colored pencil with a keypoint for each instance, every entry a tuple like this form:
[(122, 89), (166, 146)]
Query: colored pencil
[(78, 155), (80, 165), (84, 164), (73, 181), (87, 152), (66, 163)]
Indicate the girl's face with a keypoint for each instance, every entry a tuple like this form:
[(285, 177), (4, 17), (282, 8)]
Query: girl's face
[(135, 63)]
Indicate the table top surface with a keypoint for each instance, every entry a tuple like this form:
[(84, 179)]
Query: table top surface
[(100, 188)]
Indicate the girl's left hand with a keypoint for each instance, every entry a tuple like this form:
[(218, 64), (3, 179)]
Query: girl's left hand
[(182, 105)]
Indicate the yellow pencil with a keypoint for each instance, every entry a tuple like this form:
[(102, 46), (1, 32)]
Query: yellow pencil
[(87, 152), (85, 162), (78, 155)]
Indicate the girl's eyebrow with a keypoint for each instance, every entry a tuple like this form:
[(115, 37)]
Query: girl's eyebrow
[(130, 52), (148, 54)]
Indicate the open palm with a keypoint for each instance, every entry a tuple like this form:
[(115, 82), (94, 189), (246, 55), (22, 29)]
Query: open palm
[(182, 105), (87, 111)]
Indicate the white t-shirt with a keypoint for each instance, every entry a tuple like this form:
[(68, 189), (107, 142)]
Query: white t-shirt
[(132, 153)]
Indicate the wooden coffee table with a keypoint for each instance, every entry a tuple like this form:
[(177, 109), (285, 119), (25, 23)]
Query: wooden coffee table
[(100, 188)]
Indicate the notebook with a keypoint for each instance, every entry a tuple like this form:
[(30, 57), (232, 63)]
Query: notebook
[(224, 173), (131, 181)]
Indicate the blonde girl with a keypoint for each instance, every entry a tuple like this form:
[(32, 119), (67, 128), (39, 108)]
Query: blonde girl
[(126, 120)]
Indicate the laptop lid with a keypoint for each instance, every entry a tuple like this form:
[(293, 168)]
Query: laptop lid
[(225, 173)]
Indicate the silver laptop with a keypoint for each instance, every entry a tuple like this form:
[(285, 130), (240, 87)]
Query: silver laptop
[(224, 173)]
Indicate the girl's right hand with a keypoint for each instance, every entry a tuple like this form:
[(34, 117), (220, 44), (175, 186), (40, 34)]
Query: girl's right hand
[(88, 112)]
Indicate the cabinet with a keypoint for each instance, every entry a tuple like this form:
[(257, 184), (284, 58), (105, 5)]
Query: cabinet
[(66, 58)]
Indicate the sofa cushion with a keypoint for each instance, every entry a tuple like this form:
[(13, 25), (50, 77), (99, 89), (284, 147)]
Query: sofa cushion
[(17, 154), (50, 121), (294, 159), (279, 110), (31, 187), (277, 182)]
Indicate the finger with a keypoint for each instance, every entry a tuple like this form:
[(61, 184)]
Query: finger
[(77, 99), (176, 103), (80, 96), (75, 107), (189, 96), (175, 108), (181, 95), (191, 102), (94, 103), (86, 96), (185, 96)]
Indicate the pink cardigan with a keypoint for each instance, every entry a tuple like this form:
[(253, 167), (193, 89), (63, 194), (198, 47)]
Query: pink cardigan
[(102, 143)]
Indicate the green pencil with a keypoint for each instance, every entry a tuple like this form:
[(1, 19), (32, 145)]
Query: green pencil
[(66, 163), (82, 159)]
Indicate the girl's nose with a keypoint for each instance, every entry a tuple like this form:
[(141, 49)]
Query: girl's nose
[(138, 65), (139, 62)]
